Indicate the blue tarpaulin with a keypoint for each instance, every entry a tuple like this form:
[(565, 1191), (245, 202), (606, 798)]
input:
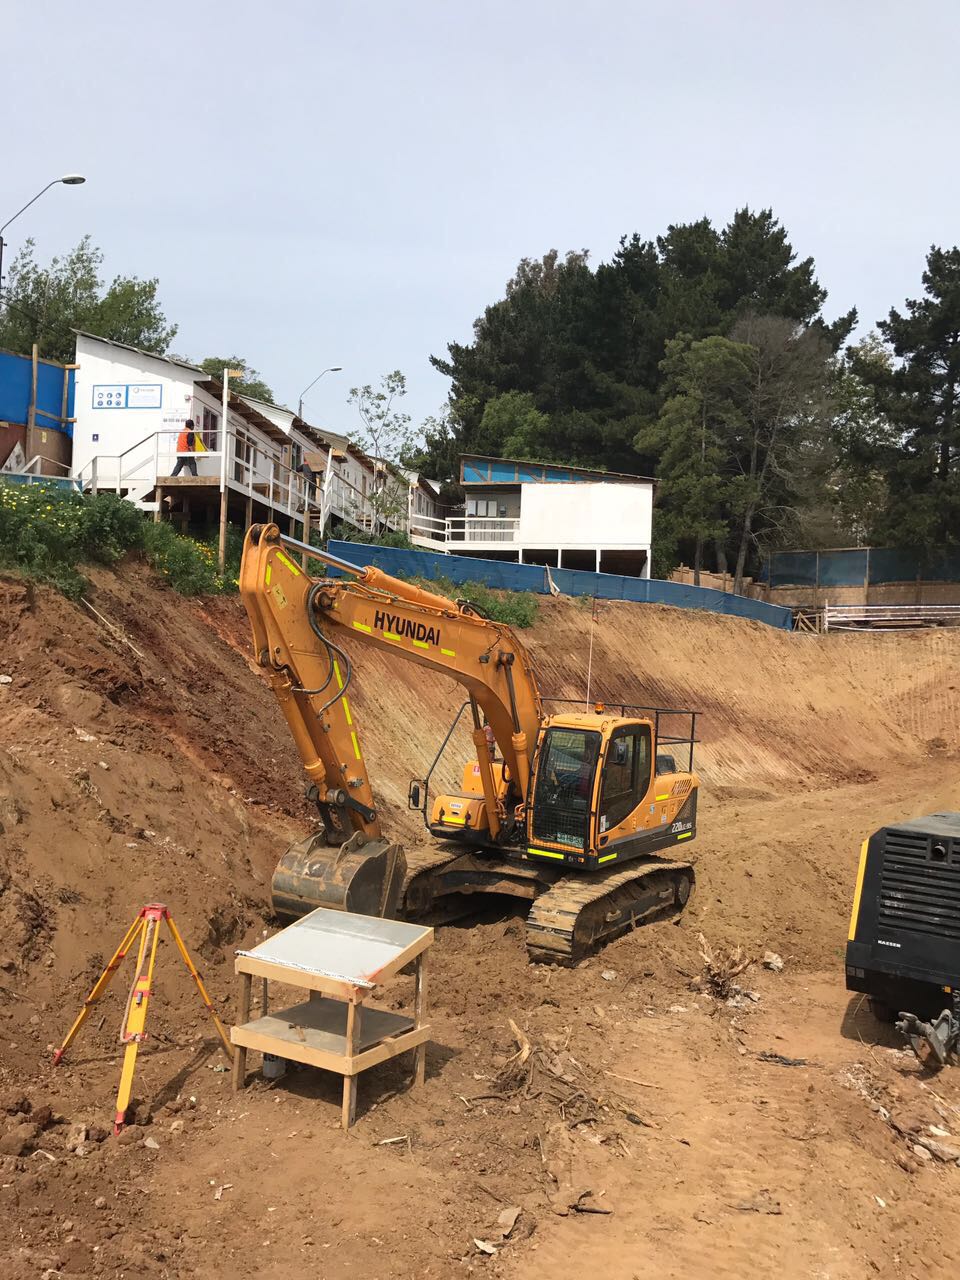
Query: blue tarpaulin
[(572, 582), (16, 377)]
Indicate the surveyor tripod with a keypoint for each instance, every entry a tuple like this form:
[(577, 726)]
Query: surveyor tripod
[(146, 929)]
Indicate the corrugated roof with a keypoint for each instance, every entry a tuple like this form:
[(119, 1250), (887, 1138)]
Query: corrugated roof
[(125, 346)]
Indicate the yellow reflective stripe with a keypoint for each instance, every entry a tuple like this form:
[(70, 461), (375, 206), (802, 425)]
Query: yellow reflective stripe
[(421, 644), (852, 931), (285, 560), (448, 653), (336, 672), (356, 744), (362, 626), (346, 707), (666, 797), (390, 635), (545, 853), (606, 857), (268, 575), (686, 835), (454, 822)]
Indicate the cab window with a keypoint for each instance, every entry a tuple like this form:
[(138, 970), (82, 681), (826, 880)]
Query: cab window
[(626, 775)]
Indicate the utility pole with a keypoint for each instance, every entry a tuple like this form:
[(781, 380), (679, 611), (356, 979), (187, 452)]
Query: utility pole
[(224, 439)]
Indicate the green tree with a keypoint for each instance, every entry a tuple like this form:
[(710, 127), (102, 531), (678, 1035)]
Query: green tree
[(918, 390), (44, 304), (786, 412), (695, 439), (250, 384), (387, 437), (587, 346)]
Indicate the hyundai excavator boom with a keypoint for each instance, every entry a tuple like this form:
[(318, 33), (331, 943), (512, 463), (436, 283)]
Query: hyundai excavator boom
[(564, 810)]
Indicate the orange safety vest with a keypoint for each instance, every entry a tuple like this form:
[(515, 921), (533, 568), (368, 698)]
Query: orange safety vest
[(185, 442)]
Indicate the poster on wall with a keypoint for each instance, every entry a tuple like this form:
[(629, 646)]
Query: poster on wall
[(130, 395), (111, 395), (144, 395)]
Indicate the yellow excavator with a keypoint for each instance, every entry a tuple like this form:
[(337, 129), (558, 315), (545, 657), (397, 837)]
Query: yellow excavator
[(565, 810)]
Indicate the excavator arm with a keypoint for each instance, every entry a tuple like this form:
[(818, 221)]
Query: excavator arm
[(299, 624)]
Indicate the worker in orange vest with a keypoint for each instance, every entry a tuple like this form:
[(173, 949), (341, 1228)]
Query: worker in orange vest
[(186, 444)]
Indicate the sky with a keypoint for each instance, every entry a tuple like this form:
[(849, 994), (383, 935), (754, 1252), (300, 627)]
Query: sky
[(351, 182)]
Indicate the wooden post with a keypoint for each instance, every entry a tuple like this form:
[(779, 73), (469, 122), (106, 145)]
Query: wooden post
[(348, 1111), (222, 545), (32, 410), (248, 513), (419, 1012), (264, 999), (158, 514), (243, 1016)]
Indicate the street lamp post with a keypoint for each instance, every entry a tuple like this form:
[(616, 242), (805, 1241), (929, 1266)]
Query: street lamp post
[(68, 180), (333, 369)]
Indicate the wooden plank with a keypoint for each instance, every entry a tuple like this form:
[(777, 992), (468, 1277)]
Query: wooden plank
[(348, 1110), (244, 1038), (191, 482), (325, 1024), (243, 1012), (420, 1007), (32, 408), (299, 978)]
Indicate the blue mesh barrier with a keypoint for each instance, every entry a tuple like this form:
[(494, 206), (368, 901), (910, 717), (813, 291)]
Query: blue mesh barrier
[(881, 565), (793, 569), (572, 582), (843, 568)]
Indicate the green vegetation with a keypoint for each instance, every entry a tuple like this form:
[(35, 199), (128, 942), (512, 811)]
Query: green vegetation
[(704, 356), (48, 533), (44, 304), (515, 608)]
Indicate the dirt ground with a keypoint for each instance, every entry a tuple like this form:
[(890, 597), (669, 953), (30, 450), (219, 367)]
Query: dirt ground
[(773, 1134)]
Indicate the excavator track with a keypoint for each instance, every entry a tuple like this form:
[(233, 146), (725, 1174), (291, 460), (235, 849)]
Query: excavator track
[(580, 912)]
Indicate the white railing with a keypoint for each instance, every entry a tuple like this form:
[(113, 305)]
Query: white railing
[(365, 510), (888, 617), (465, 529)]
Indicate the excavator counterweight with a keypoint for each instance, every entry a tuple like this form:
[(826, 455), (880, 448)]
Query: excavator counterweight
[(571, 811)]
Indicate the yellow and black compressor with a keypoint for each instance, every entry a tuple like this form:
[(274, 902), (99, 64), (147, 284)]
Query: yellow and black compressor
[(903, 945)]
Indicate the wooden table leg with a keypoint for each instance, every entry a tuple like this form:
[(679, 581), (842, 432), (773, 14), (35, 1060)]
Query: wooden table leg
[(348, 1112), (243, 1016), (419, 1013), (264, 997)]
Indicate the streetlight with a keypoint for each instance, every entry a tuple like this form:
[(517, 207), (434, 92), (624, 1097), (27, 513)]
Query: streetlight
[(68, 180), (333, 369)]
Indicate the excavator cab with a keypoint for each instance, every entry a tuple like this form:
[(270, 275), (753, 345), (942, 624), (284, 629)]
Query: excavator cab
[(598, 797)]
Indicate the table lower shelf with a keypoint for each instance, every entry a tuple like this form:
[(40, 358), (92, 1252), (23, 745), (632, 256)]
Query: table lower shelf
[(314, 1033)]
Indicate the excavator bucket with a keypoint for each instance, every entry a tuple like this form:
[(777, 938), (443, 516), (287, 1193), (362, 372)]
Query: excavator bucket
[(362, 875)]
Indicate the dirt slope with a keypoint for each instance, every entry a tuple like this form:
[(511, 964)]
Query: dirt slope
[(168, 773)]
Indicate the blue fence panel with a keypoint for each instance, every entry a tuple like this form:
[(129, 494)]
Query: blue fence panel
[(16, 377), (843, 568), (572, 582), (793, 569)]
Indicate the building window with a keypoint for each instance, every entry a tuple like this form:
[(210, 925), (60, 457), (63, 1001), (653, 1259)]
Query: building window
[(209, 424), (484, 507)]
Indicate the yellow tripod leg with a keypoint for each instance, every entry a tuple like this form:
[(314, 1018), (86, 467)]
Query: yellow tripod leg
[(101, 985), (136, 1015), (200, 987)]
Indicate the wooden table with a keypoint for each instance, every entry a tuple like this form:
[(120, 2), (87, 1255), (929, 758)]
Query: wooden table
[(330, 955)]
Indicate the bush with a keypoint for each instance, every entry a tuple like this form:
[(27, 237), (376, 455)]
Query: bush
[(515, 608), (47, 532)]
